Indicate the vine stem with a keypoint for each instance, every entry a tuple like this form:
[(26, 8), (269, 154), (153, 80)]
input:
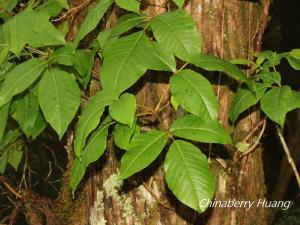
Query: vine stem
[(288, 154)]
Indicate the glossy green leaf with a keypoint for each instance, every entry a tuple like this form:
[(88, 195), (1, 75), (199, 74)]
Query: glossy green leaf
[(179, 3), (14, 155), (143, 150), (4, 110), (244, 99), (277, 102), (177, 32), (90, 119), (188, 176), (20, 78), (77, 173), (213, 63), (26, 112), (161, 59), (194, 128), (123, 134), (59, 98), (123, 109), (195, 94), (125, 61), (96, 144), (130, 5), (24, 29), (93, 17)]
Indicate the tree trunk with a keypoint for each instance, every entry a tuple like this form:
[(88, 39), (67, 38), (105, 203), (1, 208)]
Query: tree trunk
[(230, 29)]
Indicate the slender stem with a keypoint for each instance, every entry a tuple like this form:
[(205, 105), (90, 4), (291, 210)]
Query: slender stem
[(251, 149), (156, 198), (11, 189), (288, 155), (250, 134)]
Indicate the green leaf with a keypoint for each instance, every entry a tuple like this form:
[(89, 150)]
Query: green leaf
[(93, 17), (123, 110), (33, 28), (179, 3), (276, 103), (39, 125), (96, 144), (4, 110), (59, 98), (177, 31), (10, 137), (244, 99), (62, 3), (77, 173), (295, 53), (195, 94), (161, 59), (26, 112), (123, 135), (270, 78), (174, 103), (90, 119), (14, 155), (143, 150), (81, 60), (194, 128), (188, 176), (130, 5), (213, 63), (127, 22), (50, 8), (294, 63), (3, 162), (242, 62), (20, 78), (125, 61)]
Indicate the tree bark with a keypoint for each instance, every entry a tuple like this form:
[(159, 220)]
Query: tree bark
[(230, 29)]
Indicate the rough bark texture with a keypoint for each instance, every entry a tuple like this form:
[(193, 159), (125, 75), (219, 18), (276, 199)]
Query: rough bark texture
[(230, 29)]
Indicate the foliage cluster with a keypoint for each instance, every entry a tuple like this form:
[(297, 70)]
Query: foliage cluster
[(42, 77)]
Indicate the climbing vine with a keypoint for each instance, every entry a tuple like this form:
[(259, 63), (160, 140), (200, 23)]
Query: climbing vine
[(42, 76)]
